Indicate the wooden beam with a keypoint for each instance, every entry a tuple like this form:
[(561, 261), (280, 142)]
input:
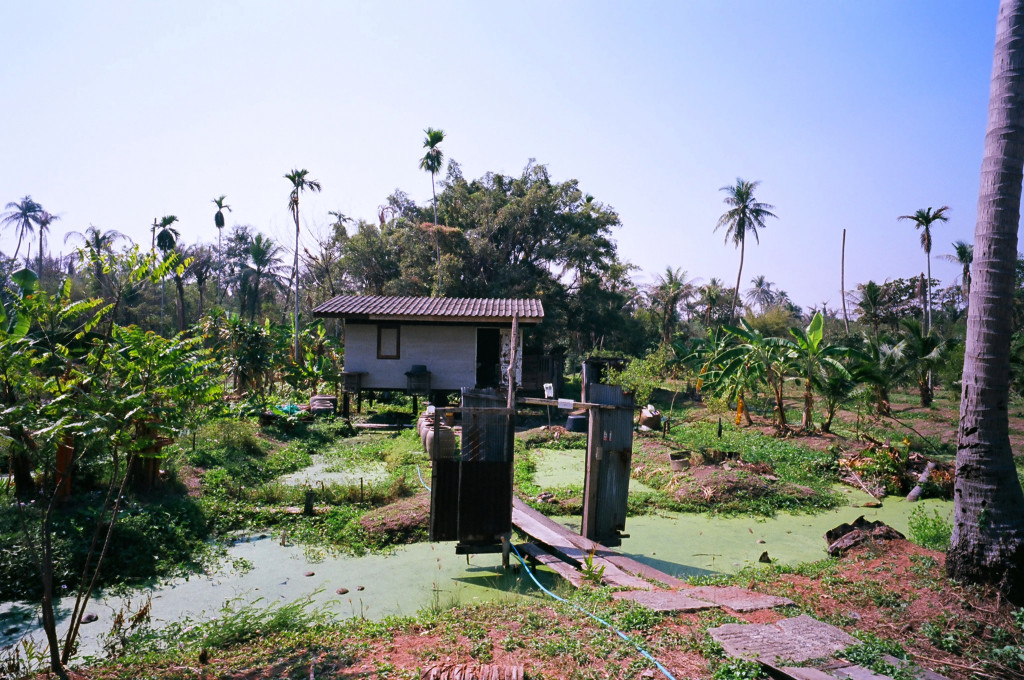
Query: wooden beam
[(591, 475), (537, 401), (556, 565), (572, 546)]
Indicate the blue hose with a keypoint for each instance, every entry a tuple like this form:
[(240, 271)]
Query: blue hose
[(646, 655)]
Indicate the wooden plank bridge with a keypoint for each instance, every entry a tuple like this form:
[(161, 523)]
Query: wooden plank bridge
[(565, 552)]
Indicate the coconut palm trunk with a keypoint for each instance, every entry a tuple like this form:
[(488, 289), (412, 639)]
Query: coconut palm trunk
[(739, 274), (988, 529), (928, 295)]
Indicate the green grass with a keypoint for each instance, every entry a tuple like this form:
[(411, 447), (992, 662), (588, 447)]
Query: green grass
[(791, 462)]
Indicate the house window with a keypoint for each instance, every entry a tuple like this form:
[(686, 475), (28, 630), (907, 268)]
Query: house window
[(388, 342)]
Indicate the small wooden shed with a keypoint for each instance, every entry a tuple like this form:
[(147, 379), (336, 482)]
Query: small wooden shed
[(429, 344)]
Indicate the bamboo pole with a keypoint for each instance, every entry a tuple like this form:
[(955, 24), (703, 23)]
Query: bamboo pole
[(842, 282)]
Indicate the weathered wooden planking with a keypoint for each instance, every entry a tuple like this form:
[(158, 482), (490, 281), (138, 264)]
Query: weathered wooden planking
[(628, 564), (576, 548), (609, 457), (449, 671), (563, 569), (644, 570), (485, 469)]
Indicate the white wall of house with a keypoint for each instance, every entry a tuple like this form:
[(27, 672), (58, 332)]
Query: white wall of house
[(448, 352)]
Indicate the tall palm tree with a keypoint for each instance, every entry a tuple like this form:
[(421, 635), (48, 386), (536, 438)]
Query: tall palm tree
[(202, 267), (45, 220), (761, 293), (165, 237), (23, 215), (299, 184), (988, 517), (745, 214), (433, 159), (924, 219), (432, 162), (218, 221), (963, 255)]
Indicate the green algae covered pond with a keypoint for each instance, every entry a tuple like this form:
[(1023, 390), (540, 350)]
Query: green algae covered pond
[(259, 569)]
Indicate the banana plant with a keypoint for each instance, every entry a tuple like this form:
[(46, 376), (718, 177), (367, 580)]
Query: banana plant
[(813, 360), (757, 359)]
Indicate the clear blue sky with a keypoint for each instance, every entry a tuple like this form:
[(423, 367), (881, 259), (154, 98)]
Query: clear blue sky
[(849, 113)]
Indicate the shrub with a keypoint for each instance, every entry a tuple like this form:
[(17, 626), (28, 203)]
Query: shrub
[(930, 531)]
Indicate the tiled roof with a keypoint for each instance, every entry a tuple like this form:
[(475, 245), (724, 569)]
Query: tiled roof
[(382, 307)]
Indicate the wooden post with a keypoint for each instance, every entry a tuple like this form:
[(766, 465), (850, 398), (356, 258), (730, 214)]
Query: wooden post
[(510, 404), (590, 479), (415, 407), (506, 549), (512, 351), (345, 408)]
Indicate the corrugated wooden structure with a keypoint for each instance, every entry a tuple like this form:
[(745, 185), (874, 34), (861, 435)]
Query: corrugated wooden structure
[(471, 492), (609, 457), (593, 372)]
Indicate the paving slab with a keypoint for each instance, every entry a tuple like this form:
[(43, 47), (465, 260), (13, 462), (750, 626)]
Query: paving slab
[(737, 599), (794, 640), (664, 600)]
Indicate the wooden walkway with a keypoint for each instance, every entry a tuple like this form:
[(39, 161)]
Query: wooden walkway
[(566, 552)]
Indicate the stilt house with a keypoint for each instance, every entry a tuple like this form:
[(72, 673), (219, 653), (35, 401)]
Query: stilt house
[(429, 344)]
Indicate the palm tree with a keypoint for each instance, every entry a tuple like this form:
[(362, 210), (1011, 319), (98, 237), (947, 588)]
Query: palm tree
[(665, 294), (870, 304), (95, 238), (45, 219), (988, 517), (883, 368), (264, 261), (433, 159), (761, 293), (97, 241), (299, 184), (963, 255), (22, 215), (745, 214), (922, 352), (218, 221), (165, 237), (710, 297), (202, 267), (923, 220)]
